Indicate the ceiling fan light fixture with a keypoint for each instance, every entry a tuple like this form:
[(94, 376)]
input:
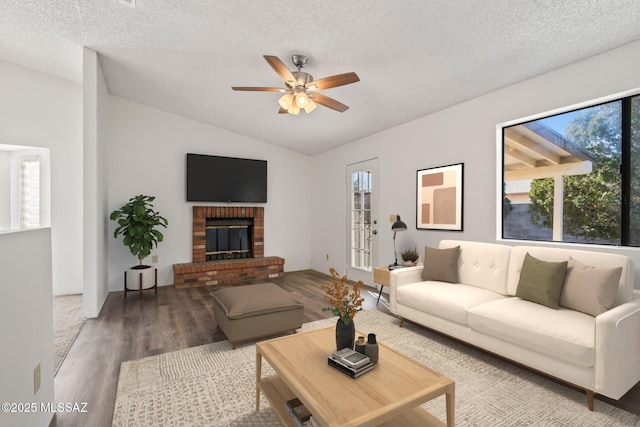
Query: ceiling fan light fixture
[(294, 109), (302, 99), (310, 106), (286, 101)]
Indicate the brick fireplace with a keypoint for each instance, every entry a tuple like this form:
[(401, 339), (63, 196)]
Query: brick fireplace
[(228, 248)]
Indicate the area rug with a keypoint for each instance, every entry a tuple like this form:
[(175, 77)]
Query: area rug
[(212, 385), (68, 320)]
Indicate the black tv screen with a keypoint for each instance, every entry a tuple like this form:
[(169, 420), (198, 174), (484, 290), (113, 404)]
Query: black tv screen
[(226, 179)]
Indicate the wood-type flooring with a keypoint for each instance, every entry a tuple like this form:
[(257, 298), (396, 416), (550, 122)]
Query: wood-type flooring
[(136, 327)]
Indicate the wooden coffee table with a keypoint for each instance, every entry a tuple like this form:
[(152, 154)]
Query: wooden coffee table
[(390, 395)]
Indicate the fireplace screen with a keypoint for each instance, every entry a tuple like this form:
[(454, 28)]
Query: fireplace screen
[(228, 239)]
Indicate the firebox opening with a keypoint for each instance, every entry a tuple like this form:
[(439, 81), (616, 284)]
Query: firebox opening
[(228, 238)]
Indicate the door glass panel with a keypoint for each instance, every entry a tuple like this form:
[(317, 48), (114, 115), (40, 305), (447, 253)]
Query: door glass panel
[(357, 220), (361, 219)]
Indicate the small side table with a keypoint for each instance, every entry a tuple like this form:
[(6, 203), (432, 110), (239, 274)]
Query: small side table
[(381, 277)]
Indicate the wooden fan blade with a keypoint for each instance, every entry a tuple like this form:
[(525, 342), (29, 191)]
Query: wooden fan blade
[(333, 81), (329, 102), (282, 111), (260, 89), (282, 70)]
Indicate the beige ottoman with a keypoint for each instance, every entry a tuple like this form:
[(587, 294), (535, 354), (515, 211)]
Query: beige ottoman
[(255, 311)]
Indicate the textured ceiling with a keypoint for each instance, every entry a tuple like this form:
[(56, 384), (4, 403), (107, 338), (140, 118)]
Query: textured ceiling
[(412, 57)]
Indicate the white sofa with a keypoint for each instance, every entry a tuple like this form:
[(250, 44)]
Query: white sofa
[(600, 354)]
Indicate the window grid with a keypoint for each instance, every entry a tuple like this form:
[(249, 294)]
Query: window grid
[(30, 193)]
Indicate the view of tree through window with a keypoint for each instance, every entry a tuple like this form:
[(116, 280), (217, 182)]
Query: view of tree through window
[(634, 173), (575, 177)]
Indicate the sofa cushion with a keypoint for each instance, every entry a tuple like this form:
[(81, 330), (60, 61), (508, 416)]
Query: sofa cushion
[(564, 334), (445, 300), (239, 302), (441, 264), (589, 289), (541, 281), (481, 264)]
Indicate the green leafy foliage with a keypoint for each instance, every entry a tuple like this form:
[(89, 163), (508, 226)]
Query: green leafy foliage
[(591, 205), (137, 223)]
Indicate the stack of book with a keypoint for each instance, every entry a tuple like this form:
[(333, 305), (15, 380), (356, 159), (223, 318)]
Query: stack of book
[(350, 362), (298, 412)]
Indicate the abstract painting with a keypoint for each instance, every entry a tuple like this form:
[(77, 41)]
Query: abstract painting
[(439, 198)]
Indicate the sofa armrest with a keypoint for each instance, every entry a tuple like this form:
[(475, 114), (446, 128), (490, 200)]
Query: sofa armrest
[(617, 345), (400, 277)]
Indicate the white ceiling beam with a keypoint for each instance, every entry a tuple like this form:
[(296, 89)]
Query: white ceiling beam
[(523, 141), (520, 157), (565, 169)]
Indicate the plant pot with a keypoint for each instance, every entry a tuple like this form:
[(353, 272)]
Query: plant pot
[(134, 281)]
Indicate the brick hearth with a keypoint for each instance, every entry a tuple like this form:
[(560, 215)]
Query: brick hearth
[(225, 272)]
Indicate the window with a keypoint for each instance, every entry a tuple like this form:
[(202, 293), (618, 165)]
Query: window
[(30, 193), (25, 187), (574, 177)]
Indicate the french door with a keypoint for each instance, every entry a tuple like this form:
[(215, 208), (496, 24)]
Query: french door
[(361, 220)]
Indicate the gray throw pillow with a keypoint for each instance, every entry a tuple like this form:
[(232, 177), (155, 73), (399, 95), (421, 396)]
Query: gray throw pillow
[(441, 264), (541, 281), (591, 290)]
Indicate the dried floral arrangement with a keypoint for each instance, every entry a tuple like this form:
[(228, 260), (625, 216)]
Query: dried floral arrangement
[(342, 303)]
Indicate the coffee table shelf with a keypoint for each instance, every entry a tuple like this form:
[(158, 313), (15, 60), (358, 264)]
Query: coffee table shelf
[(389, 393), (277, 393)]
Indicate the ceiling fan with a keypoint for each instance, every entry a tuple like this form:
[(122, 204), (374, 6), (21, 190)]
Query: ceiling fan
[(301, 90)]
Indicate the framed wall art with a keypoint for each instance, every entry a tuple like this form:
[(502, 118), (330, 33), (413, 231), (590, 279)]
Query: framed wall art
[(439, 198)]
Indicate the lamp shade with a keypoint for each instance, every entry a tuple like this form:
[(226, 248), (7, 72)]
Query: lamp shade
[(301, 99), (399, 225), (294, 109), (310, 106), (286, 101)]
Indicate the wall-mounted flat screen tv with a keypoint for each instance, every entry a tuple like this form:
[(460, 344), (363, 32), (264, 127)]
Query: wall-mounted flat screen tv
[(226, 179)]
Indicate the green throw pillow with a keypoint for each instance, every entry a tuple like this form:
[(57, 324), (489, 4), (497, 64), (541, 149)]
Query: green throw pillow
[(541, 281), (441, 264)]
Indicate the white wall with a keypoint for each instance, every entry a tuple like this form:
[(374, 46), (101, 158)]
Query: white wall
[(43, 111), (95, 128), (147, 155), (26, 310), (465, 133)]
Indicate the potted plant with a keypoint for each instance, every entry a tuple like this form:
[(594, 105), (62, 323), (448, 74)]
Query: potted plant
[(410, 256), (138, 223)]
